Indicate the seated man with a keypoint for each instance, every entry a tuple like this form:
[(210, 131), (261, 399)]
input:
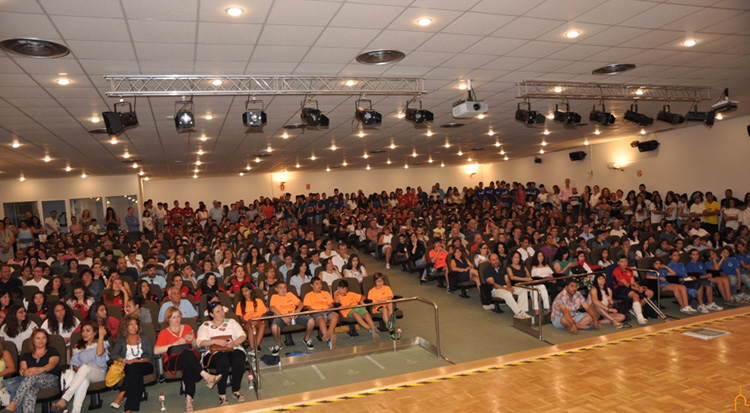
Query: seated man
[(287, 266), (318, 299), (679, 290), (284, 302), (37, 280), (496, 276), (438, 255), (697, 268), (601, 241), (626, 287), (730, 266), (153, 278), (347, 298), (565, 310), (175, 300)]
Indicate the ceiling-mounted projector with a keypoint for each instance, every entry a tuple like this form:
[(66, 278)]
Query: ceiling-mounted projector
[(469, 107), (724, 104)]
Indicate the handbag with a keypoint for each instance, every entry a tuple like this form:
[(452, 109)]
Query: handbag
[(115, 373), (174, 352), (217, 348)]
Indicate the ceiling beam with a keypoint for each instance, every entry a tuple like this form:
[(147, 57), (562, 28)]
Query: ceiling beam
[(611, 91)]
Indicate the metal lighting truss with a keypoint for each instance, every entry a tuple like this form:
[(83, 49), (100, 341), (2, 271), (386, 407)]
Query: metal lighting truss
[(243, 85), (611, 91)]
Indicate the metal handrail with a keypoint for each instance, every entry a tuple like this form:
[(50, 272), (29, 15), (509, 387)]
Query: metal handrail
[(256, 376)]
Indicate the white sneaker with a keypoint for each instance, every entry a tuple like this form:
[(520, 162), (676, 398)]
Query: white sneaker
[(488, 307), (642, 321), (387, 266), (522, 316), (702, 309), (688, 310), (714, 307)]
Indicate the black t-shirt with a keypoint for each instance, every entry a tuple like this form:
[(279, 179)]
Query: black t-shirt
[(31, 361), (11, 284), (498, 276)]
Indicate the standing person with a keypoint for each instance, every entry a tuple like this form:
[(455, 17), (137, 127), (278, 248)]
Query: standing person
[(89, 361), (565, 312), (148, 222), (221, 339), (111, 220), (132, 222), (134, 349), (39, 371), (51, 224), (176, 343)]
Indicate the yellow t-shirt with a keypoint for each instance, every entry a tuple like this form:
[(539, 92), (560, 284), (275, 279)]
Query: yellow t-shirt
[(377, 296), (318, 301), (260, 309), (286, 304), (349, 299), (712, 207)]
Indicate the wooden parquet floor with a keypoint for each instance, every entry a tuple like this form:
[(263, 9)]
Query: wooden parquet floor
[(655, 369)]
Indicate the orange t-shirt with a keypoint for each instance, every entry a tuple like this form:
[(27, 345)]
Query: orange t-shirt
[(377, 296), (286, 304), (166, 338), (349, 299), (260, 310), (318, 301)]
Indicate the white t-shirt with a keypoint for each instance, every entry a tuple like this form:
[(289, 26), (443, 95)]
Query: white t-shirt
[(541, 272), (229, 326), (329, 277), (19, 339), (698, 208), (53, 223), (39, 284), (63, 332), (744, 216), (732, 212), (655, 217)]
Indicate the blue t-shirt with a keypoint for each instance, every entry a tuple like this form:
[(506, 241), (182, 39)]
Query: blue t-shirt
[(730, 266), (479, 193), (744, 258), (663, 272), (696, 267), (679, 268)]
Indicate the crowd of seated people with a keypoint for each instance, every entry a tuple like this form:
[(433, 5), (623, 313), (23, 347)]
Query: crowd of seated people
[(200, 277)]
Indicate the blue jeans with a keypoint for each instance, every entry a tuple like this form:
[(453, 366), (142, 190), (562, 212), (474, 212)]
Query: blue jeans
[(577, 317), (12, 384), (733, 282)]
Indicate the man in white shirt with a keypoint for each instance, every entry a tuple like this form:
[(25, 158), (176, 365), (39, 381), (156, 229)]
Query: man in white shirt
[(565, 192), (51, 224), (743, 216), (37, 280), (696, 230), (342, 258), (617, 229), (216, 213)]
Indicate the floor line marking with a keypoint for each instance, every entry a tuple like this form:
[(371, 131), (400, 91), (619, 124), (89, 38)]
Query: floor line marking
[(382, 367), (317, 370)]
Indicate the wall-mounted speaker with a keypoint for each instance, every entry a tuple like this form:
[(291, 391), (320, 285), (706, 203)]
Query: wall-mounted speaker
[(577, 156), (537, 160), (647, 146)]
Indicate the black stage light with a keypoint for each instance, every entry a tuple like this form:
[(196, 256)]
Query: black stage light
[(706, 117), (632, 115), (184, 120), (537, 160), (366, 115), (312, 116), (601, 117), (254, 118), (647, 146), (529, 117), (117, 122), (666, 116), (419, 117), (567, 118)]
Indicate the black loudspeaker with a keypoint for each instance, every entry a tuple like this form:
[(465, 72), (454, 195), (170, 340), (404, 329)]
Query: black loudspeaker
[(647, 146), (537, 160), (748, 130), (577, 156)]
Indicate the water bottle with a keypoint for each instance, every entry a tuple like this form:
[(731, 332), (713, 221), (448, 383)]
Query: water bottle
[(250, 380), (294, 321), (398, 333), (161, 400)]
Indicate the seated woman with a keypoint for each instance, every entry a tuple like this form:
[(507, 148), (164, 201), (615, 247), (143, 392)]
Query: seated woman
[(240, 277), (134, 308), (209, 284), (463, 269), (330, 273), (604, 260), (679, 290), (355, 269), (144, 291), (541, 271), (8, 369), (221, 341), (89, 361), (38, 368), (271, 280), (82, 299), (562, 262), (135, 350), (483, 254), (600, 298), (118, 294), (382, 292), (17, 327), (38, 305), (585, 267), (176, 343), (301, 275), (348, 298), (61, 322), (248, 308), (101, 317), (55, 288)]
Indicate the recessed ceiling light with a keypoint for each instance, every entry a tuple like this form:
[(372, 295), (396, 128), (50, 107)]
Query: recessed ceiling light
[(83, 175), (141, 173), (368, 167), (68, 168), (406, 166), (401, 115), (344, 163), (234, 11), (491, 132), (586, 142), (15, 145), (269, 149), (257, 159), (544, 143), (216, 82), (63, 81), (502, 151), (462, 86), (145, 179), (196, 170), (546, 132), (558, 89), (596, 132), (366, 155), (198, 162), (506, 157), (135, 165), (209, 117), (297, 165), (468, 159), (719, 116), (203, 138), (572, 34), (430, 160), (200, 151), (497, 144), (195, 176), (361, 135), (242, 174), (447, 145), (541, 150), (328, 169), (424, 21), (47, 158), (442, 164), (113, 141), (350, 83), (285, 136), (643, 131), (551, 116), (429, 133), (460, 153), (414, 154), (639, 92), (247, 168), (312, 158), (333, 146), (22, 178), (481, 116), (388, 161), (393, 145), (689, 43), (95, 119)]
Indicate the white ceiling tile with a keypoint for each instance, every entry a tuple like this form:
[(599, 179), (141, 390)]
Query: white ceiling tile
[(302, 12), (614, 36), (527, 28), (365, 16), (223, 53), (80, 28), (426, 58), (443, 42), (36, 26), (272, 68), (569, 9), (655, 38), (408, 19), (733, 4), (703, 18), (706, 42), (23, 80), (445, 4), (614, 54), (101, 50), (660, 16), (506, 63), (20, 6), (470, 61), (7, 65), (615, 11), (729, 26), (477, 23), (680, 59), (496, 46), (346, 37), (318, 68), (512, 8), (578, 68), (162, 31), (699, 3), (547, 65), (558, 33), (185, 10), (289, 35), (577, 52), (331, 55), (362, 70), (228, 33), (537, 49), (162, 51), (282, 54), (398, 40), (401, 70), (50, 66), (255, 11)]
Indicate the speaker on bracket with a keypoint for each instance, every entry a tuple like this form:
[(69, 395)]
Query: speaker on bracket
[(577, 156), (537, 160)]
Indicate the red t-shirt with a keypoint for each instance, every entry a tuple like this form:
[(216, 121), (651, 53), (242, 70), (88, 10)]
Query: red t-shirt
[(166, 338), (626, 275)]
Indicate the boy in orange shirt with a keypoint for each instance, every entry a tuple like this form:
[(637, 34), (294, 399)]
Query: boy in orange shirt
[(347, 298), (284, 302), (317, 299), (382, 292)]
